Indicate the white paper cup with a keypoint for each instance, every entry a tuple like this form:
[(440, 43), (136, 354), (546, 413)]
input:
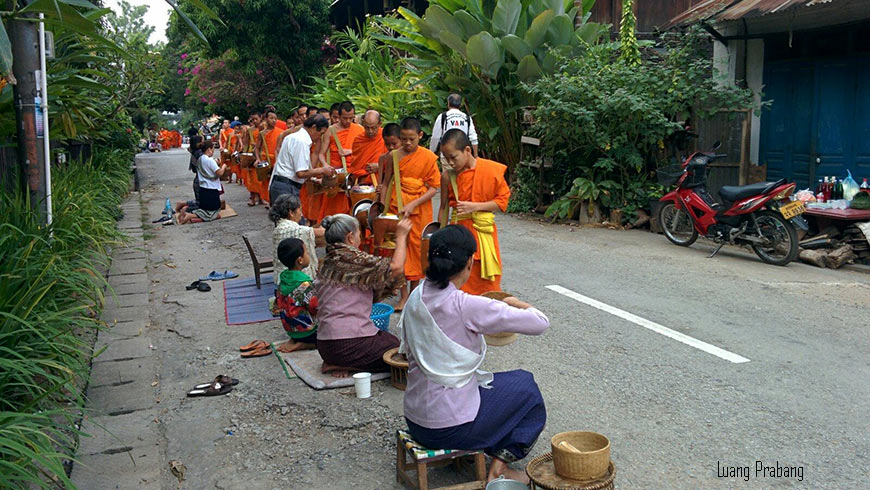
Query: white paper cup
[(363, 384)]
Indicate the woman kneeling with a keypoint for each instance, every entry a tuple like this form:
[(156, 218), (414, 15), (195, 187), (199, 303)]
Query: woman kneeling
[(449, 402), (348, 283)]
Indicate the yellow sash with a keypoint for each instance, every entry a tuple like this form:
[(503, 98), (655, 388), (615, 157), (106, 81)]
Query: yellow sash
[(484, 223)]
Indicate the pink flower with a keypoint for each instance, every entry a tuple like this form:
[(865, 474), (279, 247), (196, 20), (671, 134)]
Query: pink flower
[(181, 72), (186, 70), (187, 91), (184, 56), (179, 64), (203, 99), (213, 100), (196, 69)]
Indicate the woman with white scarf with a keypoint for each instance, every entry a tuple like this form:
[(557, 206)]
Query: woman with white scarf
[(449, 402)]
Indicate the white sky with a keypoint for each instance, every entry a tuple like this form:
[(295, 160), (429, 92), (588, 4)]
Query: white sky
[(157, 16)]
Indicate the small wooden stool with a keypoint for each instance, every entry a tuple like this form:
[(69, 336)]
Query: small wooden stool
[(422, 458)]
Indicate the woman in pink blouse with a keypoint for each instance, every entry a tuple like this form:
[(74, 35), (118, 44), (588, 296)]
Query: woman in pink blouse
[(348, 283), (449, 402)]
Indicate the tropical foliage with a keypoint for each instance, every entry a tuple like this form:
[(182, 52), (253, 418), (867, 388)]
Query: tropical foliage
[(272, 47), (486, 49), (50, 287), (605, 132), (373, 76)]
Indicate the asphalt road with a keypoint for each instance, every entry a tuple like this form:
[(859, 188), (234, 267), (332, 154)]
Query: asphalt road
[(674, 411)]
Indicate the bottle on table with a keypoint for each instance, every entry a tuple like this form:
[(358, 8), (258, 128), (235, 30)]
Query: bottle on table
[(826, 189), (834, 194), (865, 185)]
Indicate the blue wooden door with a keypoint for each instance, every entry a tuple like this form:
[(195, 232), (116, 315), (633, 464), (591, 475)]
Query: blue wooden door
[(819, 122)]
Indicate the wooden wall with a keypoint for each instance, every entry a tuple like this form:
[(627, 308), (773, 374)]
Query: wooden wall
[(651, 14)]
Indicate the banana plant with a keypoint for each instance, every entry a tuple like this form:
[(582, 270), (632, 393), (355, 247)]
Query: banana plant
[(487, 49)]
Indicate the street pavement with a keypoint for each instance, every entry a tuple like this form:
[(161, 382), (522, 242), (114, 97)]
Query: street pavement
[(690, 365)]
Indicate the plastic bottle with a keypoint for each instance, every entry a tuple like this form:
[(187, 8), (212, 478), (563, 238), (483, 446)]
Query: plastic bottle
[(168, 209), (865, 185), (827, 189)]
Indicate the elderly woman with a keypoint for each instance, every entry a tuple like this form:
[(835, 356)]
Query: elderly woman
[(348, 283), (286, 213), (449, 402)]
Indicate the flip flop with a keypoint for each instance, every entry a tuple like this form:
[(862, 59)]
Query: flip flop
[(264, 351), (257, 344), (193, 285), (212, 276), (214, 389), (162, 219), (224, 380), (230, 275)]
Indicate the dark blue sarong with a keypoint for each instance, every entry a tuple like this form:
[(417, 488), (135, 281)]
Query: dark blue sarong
[(507, 425)]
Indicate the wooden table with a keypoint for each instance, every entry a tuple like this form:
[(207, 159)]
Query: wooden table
[(840, 214)]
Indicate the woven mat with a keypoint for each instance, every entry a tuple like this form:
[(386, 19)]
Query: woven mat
[(244, 303), (306, 364), (228, 212)]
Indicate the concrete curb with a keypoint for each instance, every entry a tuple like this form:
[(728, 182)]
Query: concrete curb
[(124, 448)]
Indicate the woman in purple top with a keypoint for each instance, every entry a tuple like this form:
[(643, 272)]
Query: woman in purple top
[(348, 283), (449, 402)]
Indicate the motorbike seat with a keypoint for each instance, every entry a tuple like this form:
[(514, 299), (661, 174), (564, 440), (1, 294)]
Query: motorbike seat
[(734, 193)]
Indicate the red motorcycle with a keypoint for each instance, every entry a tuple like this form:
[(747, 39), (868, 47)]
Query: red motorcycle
[(758, 215)]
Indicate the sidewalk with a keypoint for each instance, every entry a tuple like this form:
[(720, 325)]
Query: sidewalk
[(126, 449)]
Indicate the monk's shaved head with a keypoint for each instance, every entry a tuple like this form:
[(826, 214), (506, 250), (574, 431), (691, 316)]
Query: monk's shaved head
[(372, 117)]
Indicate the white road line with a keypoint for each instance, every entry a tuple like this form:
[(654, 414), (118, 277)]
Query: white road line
[(655, 327)]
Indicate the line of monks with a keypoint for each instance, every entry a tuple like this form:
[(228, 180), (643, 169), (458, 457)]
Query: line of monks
[(370, 151)]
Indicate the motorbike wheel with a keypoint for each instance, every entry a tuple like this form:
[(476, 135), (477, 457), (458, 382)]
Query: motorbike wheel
[(783, 246), (677, 225)]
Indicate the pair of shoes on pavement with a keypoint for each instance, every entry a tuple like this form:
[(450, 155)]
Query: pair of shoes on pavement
[(220, 386)]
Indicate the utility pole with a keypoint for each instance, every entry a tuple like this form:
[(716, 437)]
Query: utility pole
[(24, 36)]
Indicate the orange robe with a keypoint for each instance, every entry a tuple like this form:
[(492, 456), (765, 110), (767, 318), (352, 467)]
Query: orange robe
[(270, 153), (419, 172), (483, 184), (251, 181), (339, 203), (366, 150), (282, 125), (234, 166)]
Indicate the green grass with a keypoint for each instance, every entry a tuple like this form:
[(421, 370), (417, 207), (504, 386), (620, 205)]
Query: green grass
[(48, 283)]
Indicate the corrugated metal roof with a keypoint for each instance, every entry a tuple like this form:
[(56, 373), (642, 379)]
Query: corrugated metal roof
[(718, 10)]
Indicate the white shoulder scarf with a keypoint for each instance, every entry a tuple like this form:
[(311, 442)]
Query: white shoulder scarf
[(441, 360)]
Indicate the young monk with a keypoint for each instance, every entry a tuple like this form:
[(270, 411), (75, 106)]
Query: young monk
[(267, 150), (482, 191), (419, 179), (235, 148), (392, 142), (334, 113), (251, 144), (224, 135), (367, 147), (332, 152), (449, 402)]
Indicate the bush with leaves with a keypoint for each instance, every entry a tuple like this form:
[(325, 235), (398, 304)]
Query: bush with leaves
[(606, 116), (373, 76)]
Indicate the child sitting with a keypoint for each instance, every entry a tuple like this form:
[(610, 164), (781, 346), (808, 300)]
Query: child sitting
[(296, 298)]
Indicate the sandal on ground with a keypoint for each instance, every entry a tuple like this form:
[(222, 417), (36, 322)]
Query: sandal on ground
[(214, 389), (202, 286), (257, 344), (219, 276), (220, 379), (264, 351)]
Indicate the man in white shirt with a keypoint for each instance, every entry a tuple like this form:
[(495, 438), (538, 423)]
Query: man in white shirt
[(293, 164), (453, 118)]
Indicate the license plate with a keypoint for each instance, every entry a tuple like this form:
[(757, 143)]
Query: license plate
[(792, 209)]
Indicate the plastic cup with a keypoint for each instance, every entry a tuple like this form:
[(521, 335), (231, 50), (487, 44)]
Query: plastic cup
[(363, 384)]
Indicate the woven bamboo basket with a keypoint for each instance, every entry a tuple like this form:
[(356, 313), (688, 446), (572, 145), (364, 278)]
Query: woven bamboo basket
[(503, 338), (398, 368), (543, 475), (580, 455)]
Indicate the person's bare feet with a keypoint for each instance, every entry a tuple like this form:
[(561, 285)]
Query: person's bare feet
[(499, 468), (335, 371), (292, 346)]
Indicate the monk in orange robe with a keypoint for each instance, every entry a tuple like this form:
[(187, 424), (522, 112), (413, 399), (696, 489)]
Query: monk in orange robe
[(346, 132), (268, 151), (419, 182), (390, 135), (367, 148), (235, 146), (253, 138), (482, 191)]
